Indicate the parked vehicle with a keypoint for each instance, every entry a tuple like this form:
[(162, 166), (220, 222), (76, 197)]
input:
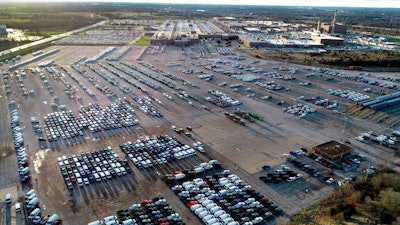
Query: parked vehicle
[(34, 213), (8, 199)]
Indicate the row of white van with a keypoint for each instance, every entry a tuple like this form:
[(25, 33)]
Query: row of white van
[(34, 212), (112, 222)]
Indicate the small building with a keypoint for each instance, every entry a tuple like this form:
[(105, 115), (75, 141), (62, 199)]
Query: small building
[(3, 30), (332, 150)]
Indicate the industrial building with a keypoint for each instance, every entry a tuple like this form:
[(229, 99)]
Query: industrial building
[(182, 33), (337, 28), (327, 40), (332, 150), (179, 32), (3, 30), (332, 28), (250, 33), (278, 41)]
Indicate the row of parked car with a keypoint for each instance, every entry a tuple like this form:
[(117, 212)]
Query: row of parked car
[(147, 107), (34, 213), (62, 125), (302, 110), (348, 94), (140, 78), (65, 125), (20, 149), (282, 173), (305, 167), (151, 211), (147, 152), (224, 199), (223, 100), (190, 173), (117, 115), (96, 166)]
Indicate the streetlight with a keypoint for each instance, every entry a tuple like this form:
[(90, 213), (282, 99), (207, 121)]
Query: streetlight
[(345, 120)]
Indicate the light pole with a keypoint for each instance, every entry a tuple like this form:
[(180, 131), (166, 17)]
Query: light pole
[(345, 121)]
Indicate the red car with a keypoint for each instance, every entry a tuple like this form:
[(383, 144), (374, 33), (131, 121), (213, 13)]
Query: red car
[(192, 203)]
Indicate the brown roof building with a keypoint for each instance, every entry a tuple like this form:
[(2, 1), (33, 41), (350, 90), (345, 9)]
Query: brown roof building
[(332, 150)]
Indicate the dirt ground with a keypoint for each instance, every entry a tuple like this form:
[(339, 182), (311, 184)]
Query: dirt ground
[(242, 149)]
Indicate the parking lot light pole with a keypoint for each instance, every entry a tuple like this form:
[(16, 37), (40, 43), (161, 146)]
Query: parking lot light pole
[(345, 121)]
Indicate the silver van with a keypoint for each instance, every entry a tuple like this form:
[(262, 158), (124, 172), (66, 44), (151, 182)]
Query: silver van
[(110, 218), (24, 171), (34, 213), (18, 207), (128, 222), (30, 197), (52, 219), (97, 222), (8, 199), (32, 203)]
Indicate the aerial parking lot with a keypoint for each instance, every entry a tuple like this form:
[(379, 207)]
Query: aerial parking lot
[(104, 135)]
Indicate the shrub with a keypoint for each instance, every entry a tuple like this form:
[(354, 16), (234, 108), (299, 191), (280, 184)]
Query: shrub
[(333, 211)]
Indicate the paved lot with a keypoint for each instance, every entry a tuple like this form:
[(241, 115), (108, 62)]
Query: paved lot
[(242, 149)]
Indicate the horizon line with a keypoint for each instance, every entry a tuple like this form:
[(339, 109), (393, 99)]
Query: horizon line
[(198, 3)]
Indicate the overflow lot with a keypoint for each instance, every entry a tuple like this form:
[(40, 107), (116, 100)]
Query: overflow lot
[(174, 71)]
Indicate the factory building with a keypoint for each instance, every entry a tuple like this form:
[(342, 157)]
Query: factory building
[(250, 33), (333, 27), (3, 30), (338, 28)]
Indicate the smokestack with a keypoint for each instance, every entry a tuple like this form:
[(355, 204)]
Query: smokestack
[(319, 26), (334, 22), (334, 17)]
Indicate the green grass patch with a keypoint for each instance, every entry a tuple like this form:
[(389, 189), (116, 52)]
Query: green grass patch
[(395, 40), (14, 21), (4, 45), (42, 32), (144, 41), (26, 51)]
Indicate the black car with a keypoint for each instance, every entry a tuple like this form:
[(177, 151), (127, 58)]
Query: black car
[(266, 166)]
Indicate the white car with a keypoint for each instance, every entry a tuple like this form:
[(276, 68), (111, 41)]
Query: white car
[(330, 180), (257, 220)]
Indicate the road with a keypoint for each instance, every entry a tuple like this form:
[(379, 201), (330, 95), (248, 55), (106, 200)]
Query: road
[(52, 38)]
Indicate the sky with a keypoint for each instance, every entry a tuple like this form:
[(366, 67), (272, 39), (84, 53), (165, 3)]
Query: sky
[(345, 3)]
